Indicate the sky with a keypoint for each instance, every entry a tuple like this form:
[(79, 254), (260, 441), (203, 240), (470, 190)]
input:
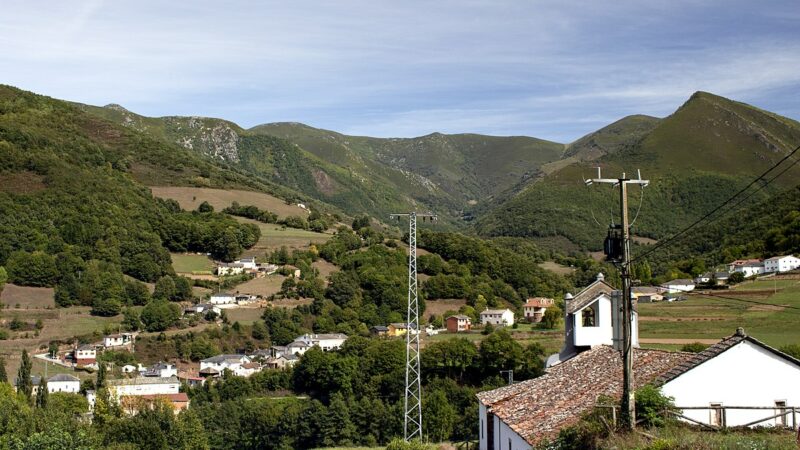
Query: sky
[(553, 70)]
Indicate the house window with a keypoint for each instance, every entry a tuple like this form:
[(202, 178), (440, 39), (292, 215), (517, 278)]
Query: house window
[(780, 408), (715, 418)]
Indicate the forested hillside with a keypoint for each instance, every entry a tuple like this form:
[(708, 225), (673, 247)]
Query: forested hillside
[(695, 158)]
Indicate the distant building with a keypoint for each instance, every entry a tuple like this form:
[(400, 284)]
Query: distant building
[(132, 404), (733, 266), (397, 329), (458, 322), (533, 309), (750, 268), (119, 340), (222, 298), (497, 317), (647, 294), (379, 330), (220, 363), (202, 308), (161, 369), (226, 269), (679, 285), (85, 355), (781, 263), (143, 386), (63, 383)]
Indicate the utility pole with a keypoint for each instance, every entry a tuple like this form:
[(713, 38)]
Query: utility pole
[(619, 250), (412, 404)]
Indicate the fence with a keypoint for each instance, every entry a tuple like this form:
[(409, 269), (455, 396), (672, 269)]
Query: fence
[(784, 417)]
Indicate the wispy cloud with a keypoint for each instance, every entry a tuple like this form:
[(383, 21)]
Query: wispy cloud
[(556, 71)]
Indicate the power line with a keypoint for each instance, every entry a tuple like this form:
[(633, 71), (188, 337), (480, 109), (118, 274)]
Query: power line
[(664, 242)]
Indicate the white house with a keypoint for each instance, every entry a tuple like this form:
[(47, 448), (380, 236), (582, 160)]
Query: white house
[(245, 299), (119, 340), (497, 317), (63, 383), (225, 269), (327, 342), (202, 308), (781, 263), (143, 386), (248, 263), (750, 268), (85, 355), (591, 319), (533, 309), (220, 363), (737, 371), (679, 285), (162, 370), (222, 298)]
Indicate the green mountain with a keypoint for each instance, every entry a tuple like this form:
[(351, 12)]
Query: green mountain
[(695, 158)]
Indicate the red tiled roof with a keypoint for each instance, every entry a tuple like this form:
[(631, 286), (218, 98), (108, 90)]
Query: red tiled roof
[(539, 302), (537, 409)]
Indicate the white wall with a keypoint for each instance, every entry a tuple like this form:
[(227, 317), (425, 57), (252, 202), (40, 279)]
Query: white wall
[(145, 389), (599, 335), (506, 439), (64, 386), (744, 375)]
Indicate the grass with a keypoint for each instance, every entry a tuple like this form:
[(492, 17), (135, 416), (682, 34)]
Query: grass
[(27, 297), (187, 263), (264, 286), (245, 316), (557, 268), (275, 236), (191, 197), (707, 317), (680, 438)]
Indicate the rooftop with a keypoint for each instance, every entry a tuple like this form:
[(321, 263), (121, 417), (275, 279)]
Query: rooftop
[(537, 409), (494, 311), (539, 302), (460, 317), (589, 294), (223, 358), (62, 377)]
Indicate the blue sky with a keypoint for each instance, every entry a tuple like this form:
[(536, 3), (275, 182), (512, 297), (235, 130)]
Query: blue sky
[(554, 70)]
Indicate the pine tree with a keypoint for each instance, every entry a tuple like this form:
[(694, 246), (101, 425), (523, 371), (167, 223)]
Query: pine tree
[(3, 374), (42, 394), (24, 383)]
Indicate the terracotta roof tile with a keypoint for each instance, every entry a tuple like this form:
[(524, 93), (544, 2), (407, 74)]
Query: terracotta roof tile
[(537, 409)]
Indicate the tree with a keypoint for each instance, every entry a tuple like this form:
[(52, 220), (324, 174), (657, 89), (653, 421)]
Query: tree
[(41, 394), (165, 288), (735, 278), (438, 416), (136, 293), (3, 373), (499, 352), (259, 331), (24, 383), (3, 277), (551, 317), (32, 269), (159, 315), (100, 381), (183, 289), (227, 246), (106, 307), (360, 222), (131, 320), (205, 207), (336, 428)]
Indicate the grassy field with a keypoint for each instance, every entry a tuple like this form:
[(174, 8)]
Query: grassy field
[(265, 286), (557, 268), (27, 297), (680, 438), (245, 316), (188, 263), (59, 324), (191, 197), (274, 236), (712, 317)]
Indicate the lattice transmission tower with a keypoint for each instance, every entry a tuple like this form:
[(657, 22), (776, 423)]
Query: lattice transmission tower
[(412, 405)]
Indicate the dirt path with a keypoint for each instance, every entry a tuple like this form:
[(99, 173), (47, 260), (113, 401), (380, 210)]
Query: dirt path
[(676, 341)]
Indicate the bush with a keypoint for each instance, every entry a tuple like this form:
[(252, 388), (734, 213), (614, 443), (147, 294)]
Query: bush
[(694, 347), (650, 405)]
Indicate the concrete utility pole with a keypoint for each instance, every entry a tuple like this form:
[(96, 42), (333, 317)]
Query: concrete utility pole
[(412, 405), (623, 262)]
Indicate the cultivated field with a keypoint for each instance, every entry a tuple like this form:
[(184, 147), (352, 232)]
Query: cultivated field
[(768, 311), (275, 236), (245, 316), (191, 197), (265, 286), (23, 297), (325, 268), (557, 268), (441, 306)]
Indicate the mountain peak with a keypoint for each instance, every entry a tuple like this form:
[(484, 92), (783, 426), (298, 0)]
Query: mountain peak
[(116, 107)]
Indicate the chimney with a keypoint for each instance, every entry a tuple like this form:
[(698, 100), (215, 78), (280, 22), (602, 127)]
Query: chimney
[(600, 276)]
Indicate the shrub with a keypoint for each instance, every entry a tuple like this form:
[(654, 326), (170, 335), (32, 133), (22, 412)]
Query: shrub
[(650, 405), (694, 347)]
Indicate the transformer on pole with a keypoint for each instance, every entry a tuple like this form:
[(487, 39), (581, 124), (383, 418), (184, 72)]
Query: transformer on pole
[(618, 250), (412, 404)]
